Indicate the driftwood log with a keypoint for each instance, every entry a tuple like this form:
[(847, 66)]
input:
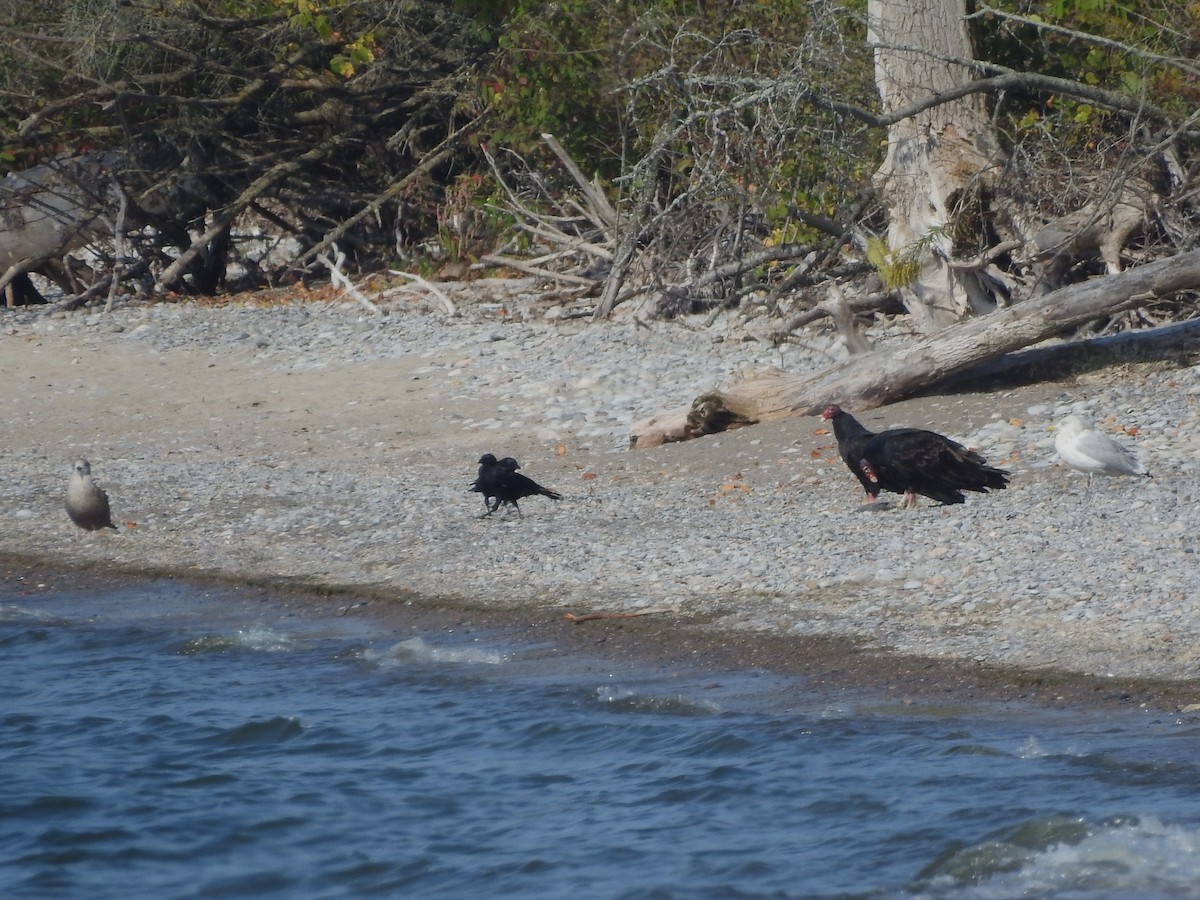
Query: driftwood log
[(47, 211), (883, 375), (1176, 344)]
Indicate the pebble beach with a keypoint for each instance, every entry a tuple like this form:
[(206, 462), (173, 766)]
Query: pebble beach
[(321, 445)]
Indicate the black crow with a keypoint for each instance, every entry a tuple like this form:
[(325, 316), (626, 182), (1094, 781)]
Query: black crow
[(485, 480), (507, 485)]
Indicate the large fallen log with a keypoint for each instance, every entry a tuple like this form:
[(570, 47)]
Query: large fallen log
[(880, 376), (1176, 344), (49, 210)]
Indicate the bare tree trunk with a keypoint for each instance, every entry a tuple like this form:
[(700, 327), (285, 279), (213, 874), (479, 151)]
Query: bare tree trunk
[(934, 158), (872, 379)]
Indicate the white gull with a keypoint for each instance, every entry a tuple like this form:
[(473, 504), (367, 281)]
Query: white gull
[(1094, 452)]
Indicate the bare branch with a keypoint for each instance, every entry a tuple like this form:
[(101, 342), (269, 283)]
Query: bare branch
[(598, 203), (119, 241), (1178, 62), (442, 296), (257, 188), (521, 266), (338, 278), (435, 156)]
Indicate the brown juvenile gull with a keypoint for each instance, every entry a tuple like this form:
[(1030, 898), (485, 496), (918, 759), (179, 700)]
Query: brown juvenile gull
[(87, 504), (1093, 451)]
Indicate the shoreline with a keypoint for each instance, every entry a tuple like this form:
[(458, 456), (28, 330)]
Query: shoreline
[(834, 668), (314, 448)]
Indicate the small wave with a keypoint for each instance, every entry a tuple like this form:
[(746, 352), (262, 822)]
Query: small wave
[(50, 806), (204, 782), (1124, 856), (1032, 749), (260, 732), (19, 615), (256, 638), (624, 700), (418, 650)]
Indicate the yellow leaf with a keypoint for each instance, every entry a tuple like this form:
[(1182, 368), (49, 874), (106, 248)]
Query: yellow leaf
[(877, 253)]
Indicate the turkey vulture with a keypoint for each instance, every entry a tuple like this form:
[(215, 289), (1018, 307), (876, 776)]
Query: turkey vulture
[(911, 461), (852, 437), (1094, 451)]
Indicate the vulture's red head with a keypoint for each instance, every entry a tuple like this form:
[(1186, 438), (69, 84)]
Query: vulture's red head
[(832, 411)]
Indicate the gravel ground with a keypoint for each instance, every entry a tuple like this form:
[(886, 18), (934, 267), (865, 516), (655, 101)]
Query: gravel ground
[(316, 444)]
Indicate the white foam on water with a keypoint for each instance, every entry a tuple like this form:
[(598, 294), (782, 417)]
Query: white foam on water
[(18, 614), (1128, 857), (669, 704), (419, 650), (259, 637), (1032, 749)]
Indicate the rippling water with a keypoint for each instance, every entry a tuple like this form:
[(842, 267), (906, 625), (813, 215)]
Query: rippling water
[(166, 741)]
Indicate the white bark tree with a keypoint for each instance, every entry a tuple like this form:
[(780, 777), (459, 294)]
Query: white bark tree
[(936, 159)]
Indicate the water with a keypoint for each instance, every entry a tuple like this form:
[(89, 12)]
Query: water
[(166, 741)]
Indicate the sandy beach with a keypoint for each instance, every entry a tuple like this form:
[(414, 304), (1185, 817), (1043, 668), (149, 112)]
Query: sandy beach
[(317, 448)]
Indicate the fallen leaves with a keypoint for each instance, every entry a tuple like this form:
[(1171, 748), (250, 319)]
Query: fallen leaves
[(736, 483), (736, 488), (1111, 422)]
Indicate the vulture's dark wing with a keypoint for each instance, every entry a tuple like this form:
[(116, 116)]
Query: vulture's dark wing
[(913, 461)]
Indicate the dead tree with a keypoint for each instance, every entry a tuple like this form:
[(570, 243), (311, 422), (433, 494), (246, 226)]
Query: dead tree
[(936, 156)]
